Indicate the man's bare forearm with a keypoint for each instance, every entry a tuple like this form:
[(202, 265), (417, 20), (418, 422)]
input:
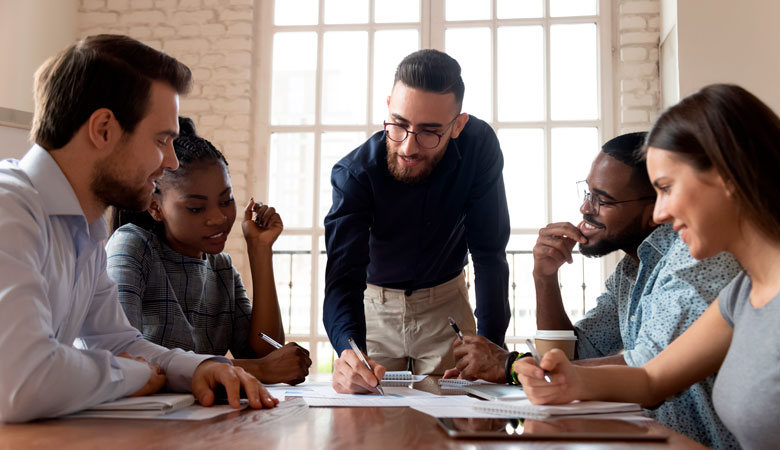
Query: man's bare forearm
[(605, 361), (550, 313)]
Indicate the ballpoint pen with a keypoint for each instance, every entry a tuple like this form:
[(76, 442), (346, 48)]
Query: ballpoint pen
[(363, 359), (455, 327), (268, 339), (535, 354)]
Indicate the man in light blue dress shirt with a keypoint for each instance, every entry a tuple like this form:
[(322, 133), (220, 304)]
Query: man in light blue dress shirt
[(106, 114)]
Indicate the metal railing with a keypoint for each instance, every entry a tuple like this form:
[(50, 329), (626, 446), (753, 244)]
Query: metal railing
[(526, 314)]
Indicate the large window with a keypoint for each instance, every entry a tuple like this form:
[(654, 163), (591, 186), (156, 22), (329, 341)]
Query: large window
[(534, 69)]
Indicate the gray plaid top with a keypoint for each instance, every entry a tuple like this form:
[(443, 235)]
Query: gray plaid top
[(178, 301)]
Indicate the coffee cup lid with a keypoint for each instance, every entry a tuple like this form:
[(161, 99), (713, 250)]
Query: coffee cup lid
[(553, 335)]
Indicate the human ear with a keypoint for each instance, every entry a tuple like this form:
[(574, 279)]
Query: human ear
[(103, 128), (155, 211), (460, 122)]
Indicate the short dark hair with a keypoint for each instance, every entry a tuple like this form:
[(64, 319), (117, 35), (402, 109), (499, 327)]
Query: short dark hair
[(432, 71), (627, 148), (192, 151), (726, 127), (102, 71)]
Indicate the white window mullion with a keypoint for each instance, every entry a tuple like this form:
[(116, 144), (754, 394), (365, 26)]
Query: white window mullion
[(547, 115)]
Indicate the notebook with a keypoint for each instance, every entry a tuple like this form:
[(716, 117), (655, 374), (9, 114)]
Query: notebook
[(139, 407), (400, 377), (524, 408), (457, 384)]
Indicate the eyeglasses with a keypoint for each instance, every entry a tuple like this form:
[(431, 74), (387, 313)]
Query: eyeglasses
[(425, 139), (595, 202)]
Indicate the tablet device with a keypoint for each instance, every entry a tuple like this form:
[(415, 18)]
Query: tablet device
[(579, 428), (496, 391)]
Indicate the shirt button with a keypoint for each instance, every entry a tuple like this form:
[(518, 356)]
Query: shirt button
[(633, 318)]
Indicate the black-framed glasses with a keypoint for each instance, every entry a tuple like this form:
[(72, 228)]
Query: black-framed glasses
[(595, 202), (425, 139)]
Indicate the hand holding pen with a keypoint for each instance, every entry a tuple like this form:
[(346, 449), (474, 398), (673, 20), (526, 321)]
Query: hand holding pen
[(261, 224), (363, 360), (538, 360)]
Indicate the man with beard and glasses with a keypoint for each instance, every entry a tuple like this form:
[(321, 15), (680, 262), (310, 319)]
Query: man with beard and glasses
[(409, 205), (106, 115), (655, 293)]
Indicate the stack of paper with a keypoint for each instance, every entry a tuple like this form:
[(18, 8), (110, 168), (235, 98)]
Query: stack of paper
[(158, 406)]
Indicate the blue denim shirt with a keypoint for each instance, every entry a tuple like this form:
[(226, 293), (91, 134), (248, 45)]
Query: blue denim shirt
[(646, 306), (414, 236)]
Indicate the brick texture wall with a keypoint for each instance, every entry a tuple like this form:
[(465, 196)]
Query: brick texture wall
[(215, 39), (637, 25)]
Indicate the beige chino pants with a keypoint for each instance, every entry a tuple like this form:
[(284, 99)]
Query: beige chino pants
[(404, 331)]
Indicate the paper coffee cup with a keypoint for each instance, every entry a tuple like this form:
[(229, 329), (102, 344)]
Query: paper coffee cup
[(565, 340)]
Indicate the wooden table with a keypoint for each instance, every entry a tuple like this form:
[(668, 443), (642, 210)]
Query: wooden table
[(296, 427)]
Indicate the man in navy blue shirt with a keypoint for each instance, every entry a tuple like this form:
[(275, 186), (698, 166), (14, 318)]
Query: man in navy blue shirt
[(408, 206)]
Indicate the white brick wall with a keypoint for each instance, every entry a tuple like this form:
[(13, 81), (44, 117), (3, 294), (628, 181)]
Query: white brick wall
[(637, 93), (215, 39)]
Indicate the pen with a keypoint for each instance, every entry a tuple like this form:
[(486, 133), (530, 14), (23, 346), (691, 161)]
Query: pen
[(268, 339), (455, 327), (537, 359), (363, 359)]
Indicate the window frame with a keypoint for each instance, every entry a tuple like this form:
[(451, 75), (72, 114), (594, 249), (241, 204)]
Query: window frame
[(431, 28)]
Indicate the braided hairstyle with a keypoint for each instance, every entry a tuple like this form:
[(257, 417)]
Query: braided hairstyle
[(193, 152)]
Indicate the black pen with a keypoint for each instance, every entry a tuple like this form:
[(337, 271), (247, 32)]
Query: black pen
[(455, 327)]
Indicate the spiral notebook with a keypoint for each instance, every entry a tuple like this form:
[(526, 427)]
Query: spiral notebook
[(525, 409), (457, 384), (401, 377)]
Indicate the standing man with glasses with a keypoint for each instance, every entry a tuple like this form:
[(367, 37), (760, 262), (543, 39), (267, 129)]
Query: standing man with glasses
[(408, 206), (655, 293)]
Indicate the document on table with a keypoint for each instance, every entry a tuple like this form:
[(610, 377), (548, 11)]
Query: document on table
[(158, 407)]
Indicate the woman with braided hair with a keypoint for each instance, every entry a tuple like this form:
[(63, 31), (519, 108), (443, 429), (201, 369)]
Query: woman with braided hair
[(178, 287)]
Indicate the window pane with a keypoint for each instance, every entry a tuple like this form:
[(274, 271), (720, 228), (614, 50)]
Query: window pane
[(573, 151), (292, 273), (524, 175), (560, 8), (346, 11), (296, 12), (334, 147), (471, 47), (325, 357), (394, 11), (519, 9), (574, 71), (467, 10), (344, 77), (520, 73), (390, 47), (293, 78), (291, 175), (522, 297)]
